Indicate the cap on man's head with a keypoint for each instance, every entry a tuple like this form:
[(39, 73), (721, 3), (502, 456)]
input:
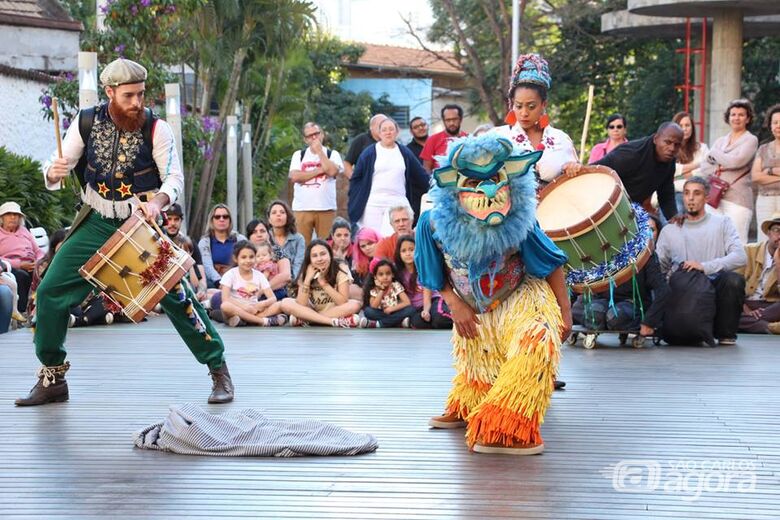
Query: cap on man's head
[(122, 72), (771, 221), (174, 210), (10, 207)]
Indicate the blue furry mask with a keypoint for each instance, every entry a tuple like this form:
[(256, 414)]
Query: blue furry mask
[(484, 200)]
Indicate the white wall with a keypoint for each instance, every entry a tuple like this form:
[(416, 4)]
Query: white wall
[(35, 48), (24, 131)]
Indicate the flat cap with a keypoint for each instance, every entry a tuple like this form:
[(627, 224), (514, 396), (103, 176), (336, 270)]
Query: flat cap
[(122, 72)]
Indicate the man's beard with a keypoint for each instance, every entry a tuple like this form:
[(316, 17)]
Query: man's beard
[(126, 121), (455, 133), (693, 212)]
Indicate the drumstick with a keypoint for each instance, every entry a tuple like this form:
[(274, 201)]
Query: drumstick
[(154, 222), (587, 123), (55, 111)]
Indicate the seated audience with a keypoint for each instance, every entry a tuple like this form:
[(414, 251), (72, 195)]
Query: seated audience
[(216, 246), (691, 154), (430, 310), (628, 313), (18, 247), (323, 291), (730, 158), (761, 311), (616, 135), (709, 243), (7, 296), (646, 166), (401, 219), (341, 240), (258, 233), (284, 235), (242, 288), (385, 300), (363, 251), (766, 171)]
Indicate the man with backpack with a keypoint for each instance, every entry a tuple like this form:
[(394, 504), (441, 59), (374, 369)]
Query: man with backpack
[(119, 151), (699, 252), (313, 170)]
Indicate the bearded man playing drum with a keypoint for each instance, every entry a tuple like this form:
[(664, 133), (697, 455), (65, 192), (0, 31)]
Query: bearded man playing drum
[(129, 153)]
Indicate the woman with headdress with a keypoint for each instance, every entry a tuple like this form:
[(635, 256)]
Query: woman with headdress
[(528, 123)]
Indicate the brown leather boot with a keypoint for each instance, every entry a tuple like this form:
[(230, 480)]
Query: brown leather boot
[(222, 389), (50, 388)]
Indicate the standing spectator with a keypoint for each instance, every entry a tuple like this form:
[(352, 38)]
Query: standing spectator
[(401, 219), (707, 242), (257, 231), (419, 136), (18, 247), (285, 234), (216, 246), (766, 171), (452, 117), (386, 175), (689, 158), (361, 142), (646, 166), (617, 128), (529, 126), (761, 311), (323, 291), (730, 158), (313, 171)]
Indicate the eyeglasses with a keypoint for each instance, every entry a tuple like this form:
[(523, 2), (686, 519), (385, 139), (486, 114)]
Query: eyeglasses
[(315, 134), (222, 217), (613, 127)]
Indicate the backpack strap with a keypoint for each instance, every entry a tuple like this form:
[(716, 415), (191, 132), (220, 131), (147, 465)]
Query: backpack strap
[(86, 121), (303, 152)]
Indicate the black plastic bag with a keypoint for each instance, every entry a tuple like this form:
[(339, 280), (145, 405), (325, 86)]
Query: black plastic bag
[(690, 314)]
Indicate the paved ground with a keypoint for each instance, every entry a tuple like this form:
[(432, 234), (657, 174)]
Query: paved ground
[(700, 425)]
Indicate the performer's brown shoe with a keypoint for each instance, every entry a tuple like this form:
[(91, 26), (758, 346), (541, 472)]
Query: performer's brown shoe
[(447, 422), (50, 388), (222, 388), (514, 449)]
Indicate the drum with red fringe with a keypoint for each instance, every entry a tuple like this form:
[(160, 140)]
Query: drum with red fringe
[(136, 268)]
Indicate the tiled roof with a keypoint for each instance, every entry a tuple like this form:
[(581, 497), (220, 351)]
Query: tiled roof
[(37, 13), (407, 59)]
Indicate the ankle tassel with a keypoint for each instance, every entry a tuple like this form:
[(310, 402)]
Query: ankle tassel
[(48, 375)]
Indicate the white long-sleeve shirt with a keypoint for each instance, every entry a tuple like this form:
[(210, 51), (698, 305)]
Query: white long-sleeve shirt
[(163, 152)]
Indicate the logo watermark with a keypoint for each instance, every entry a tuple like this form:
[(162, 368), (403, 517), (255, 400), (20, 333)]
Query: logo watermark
[(687, 478)]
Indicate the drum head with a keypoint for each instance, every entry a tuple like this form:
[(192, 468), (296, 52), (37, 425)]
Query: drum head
[(575, 200)]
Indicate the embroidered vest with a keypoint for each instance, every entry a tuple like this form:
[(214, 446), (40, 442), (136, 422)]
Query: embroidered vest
[(484, 291), (119, 163)]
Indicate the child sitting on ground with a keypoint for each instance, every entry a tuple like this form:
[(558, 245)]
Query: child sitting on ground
[(242, 287), (431, 311), (385, 299)]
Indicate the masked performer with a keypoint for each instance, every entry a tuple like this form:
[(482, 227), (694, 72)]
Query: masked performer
[(127, 152), (481, 247)]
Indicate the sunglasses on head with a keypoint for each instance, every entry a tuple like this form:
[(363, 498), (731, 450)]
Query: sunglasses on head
[(619, 127)]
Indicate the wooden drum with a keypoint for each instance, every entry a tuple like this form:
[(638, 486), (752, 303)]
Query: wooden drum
[(136, 267), (591, 218)]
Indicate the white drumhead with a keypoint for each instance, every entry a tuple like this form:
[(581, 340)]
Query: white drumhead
[(575, 200)]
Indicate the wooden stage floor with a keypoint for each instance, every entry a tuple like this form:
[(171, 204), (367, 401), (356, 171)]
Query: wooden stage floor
[(660, 432)]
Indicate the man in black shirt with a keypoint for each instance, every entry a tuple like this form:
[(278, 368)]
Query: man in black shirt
[(362, 142), (419, 135), (646, 166)]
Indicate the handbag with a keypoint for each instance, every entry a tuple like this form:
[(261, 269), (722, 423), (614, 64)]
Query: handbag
[(719, 187)]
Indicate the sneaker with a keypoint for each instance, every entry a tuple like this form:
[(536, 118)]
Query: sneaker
[(447, 422), (109, 318), (297, 322), (234, 321), (512, 449), (348, 322), (365, 323), (774, 327), (727, 341), (71, 321), (275, 321), (407, 323)]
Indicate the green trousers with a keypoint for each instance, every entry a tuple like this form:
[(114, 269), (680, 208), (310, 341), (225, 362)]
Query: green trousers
[(63, 287)]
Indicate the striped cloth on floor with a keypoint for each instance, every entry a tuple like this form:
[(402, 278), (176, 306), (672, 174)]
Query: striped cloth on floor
[(190, 430)]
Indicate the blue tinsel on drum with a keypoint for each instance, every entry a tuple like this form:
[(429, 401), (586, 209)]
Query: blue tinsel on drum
[(627, 255)]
